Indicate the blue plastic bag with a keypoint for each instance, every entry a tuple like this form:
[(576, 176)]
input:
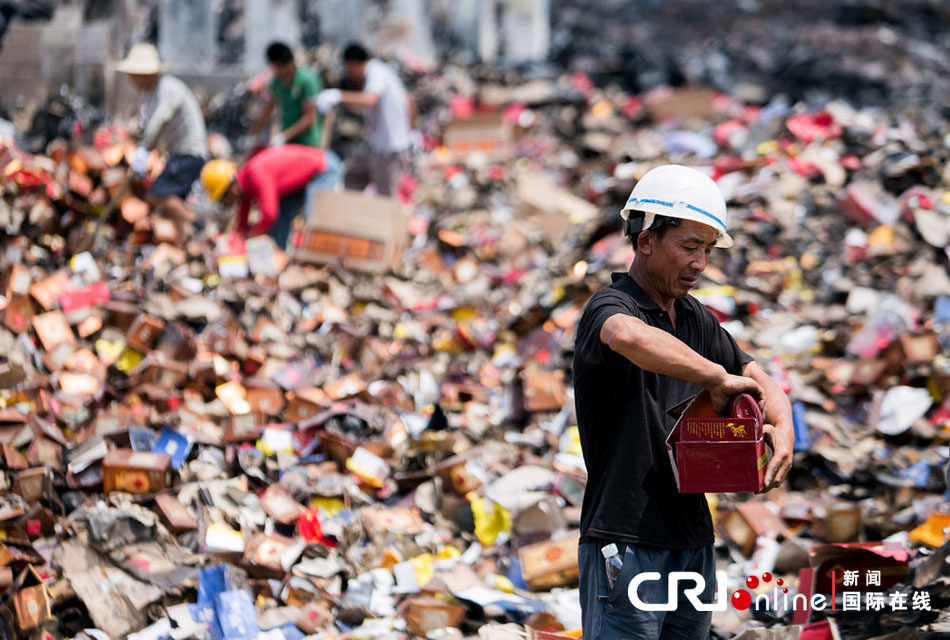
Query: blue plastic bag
[(236, 615)]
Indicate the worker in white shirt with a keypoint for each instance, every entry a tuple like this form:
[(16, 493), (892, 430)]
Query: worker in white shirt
[(390, 111)]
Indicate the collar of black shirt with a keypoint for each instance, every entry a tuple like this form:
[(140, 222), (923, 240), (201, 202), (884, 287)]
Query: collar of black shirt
[(627, 284)]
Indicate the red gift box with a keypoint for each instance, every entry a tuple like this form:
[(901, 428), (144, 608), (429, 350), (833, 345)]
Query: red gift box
[(829, 562), (82, 298), (710, 454)]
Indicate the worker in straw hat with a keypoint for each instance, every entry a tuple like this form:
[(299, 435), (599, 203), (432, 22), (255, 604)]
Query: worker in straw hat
[(171, 121)]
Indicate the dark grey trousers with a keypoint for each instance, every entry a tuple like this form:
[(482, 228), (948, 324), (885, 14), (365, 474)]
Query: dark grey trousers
[(383, 170)]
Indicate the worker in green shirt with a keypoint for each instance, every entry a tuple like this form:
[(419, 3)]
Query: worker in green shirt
[(292, 91)]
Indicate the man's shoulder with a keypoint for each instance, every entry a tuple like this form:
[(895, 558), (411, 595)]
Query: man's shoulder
[(305, 75), (608, 295), (611, 291), (381, 70), (242, 172), (697, 307), (259, 164), (173, 83)]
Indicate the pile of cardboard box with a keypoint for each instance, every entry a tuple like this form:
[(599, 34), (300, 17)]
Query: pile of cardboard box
[(374, 436)]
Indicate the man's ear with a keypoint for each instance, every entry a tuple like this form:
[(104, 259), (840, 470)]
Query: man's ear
[(645, 242)]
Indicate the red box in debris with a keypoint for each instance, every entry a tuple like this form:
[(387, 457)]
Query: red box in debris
[(830, 564), (831, 561), (710, 454), (92, 295)]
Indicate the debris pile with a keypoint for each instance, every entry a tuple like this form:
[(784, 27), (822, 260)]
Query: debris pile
[(376, 438), (870, 51)]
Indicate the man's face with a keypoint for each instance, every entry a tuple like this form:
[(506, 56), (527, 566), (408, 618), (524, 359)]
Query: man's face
[(143, 82), (232, 195), (676, 260), (355, 72), (283, 71)]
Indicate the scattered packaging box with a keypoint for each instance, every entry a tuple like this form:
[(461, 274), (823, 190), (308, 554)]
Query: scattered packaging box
[(136, 471), (749, 520), (550, 564), (369, 233), (487, 134), (31, 600), (551, 207), (428, 614)]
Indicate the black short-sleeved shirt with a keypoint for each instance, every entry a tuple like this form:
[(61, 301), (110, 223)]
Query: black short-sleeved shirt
[(622, 414)]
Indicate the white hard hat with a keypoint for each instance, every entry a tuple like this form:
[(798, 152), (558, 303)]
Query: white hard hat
[(680, 192), (142, 60)]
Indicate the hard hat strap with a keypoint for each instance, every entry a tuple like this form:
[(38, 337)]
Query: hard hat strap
[(633, 225)]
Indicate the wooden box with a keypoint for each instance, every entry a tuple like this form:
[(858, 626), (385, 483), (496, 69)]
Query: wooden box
[(144, 331), (136, 472)]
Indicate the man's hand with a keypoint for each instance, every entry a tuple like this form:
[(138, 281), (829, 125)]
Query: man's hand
[(139, 161), (247, 142), (782, 442), (278, 140), (327, 99), (726, 386), (417, 141)]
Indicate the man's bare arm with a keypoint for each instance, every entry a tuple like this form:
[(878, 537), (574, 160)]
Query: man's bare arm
[(359, 99), (656, 350), (304, 123), (263, 118), (779, 428), (413, 112)]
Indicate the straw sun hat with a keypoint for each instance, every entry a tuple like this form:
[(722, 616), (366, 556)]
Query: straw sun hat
[(142, 60)]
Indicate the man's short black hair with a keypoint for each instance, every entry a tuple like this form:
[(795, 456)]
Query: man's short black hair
[(661, 224), (279, 53), (355, 52)]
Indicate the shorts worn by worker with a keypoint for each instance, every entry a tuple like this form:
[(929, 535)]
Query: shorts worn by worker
[(301, 201), (381, 169), (608, 613), (176, 179)]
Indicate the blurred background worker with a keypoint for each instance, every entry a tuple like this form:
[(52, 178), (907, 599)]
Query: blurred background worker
[(282, 180), (383, 158), (172, 121), (292, 91)]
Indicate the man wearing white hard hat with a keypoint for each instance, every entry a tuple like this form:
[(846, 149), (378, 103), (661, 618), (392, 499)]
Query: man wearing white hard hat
[(171, 121), (643, 346)]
